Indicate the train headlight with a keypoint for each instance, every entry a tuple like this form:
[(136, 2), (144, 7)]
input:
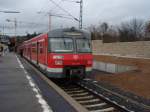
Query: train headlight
[(58, 62), (58, 57)]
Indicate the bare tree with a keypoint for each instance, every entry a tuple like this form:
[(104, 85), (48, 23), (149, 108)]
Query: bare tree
[(124, 32), (131, 31), (104, 27), (137, 28), (107, 32), (94, 33), (147, 31)]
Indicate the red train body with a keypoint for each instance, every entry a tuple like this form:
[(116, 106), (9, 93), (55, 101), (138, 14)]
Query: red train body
[(60, 53)]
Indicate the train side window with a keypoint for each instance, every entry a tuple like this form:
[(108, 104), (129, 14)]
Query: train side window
[(34, 50), (34, 47), (41, 47)]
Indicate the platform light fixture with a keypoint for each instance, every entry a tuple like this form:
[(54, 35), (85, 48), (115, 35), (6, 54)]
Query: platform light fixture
[(5, 11)]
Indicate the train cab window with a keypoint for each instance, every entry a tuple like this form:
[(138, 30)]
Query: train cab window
[(83, 45), (61, 44)]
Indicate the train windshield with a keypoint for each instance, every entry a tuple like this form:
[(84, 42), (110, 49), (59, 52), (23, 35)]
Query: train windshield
[(61, 45), (83, 45)]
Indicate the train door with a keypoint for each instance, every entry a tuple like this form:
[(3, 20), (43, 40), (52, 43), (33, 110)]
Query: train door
[(37, 52), (42, 53), (21, 52), (46, 51), (34, 52), (30, 49)]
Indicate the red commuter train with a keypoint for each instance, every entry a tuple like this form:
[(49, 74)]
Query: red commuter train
[(61, 53)]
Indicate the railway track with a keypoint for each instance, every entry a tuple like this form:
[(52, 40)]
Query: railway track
[(126, 103), (89, 100)]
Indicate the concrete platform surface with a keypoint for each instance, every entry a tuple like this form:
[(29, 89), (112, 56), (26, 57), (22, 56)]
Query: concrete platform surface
[(17, 93)]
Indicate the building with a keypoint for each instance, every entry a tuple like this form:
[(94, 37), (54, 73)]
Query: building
[(4, 39)]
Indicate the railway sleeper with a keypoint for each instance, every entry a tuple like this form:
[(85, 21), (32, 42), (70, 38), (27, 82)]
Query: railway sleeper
[(72, 89), (80, 94), (103, 106), (110, 109), (89, 101), (92, 103), (95, 105), (78, 91), (85, 97)]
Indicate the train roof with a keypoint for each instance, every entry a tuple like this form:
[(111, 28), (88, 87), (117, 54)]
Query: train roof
[(67, 32)]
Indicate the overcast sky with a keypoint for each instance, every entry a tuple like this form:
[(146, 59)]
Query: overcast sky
[(94, 12)]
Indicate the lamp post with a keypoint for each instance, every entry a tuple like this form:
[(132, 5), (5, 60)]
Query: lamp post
[(81, 14), (15, 30), (9, 11), (15, 24)]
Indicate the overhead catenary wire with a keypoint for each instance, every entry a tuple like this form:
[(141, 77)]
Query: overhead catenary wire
[(7, 27), (55, 6), (56, 15), (50, 13), (28, 24), (81, 10), (69, 14)]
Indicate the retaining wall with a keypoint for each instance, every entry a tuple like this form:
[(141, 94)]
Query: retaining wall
[(131, 49)]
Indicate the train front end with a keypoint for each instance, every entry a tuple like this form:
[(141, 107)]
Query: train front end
[(70, 54)]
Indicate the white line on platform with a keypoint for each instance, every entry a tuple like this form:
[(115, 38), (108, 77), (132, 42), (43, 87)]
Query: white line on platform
[(35, 89), (21, 66)]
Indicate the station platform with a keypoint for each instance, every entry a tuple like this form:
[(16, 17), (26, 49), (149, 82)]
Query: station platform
[(16, 94), (22, 90)]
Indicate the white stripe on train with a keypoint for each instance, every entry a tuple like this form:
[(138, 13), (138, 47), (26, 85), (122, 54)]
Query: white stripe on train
[(88, 69), (56, 70)]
